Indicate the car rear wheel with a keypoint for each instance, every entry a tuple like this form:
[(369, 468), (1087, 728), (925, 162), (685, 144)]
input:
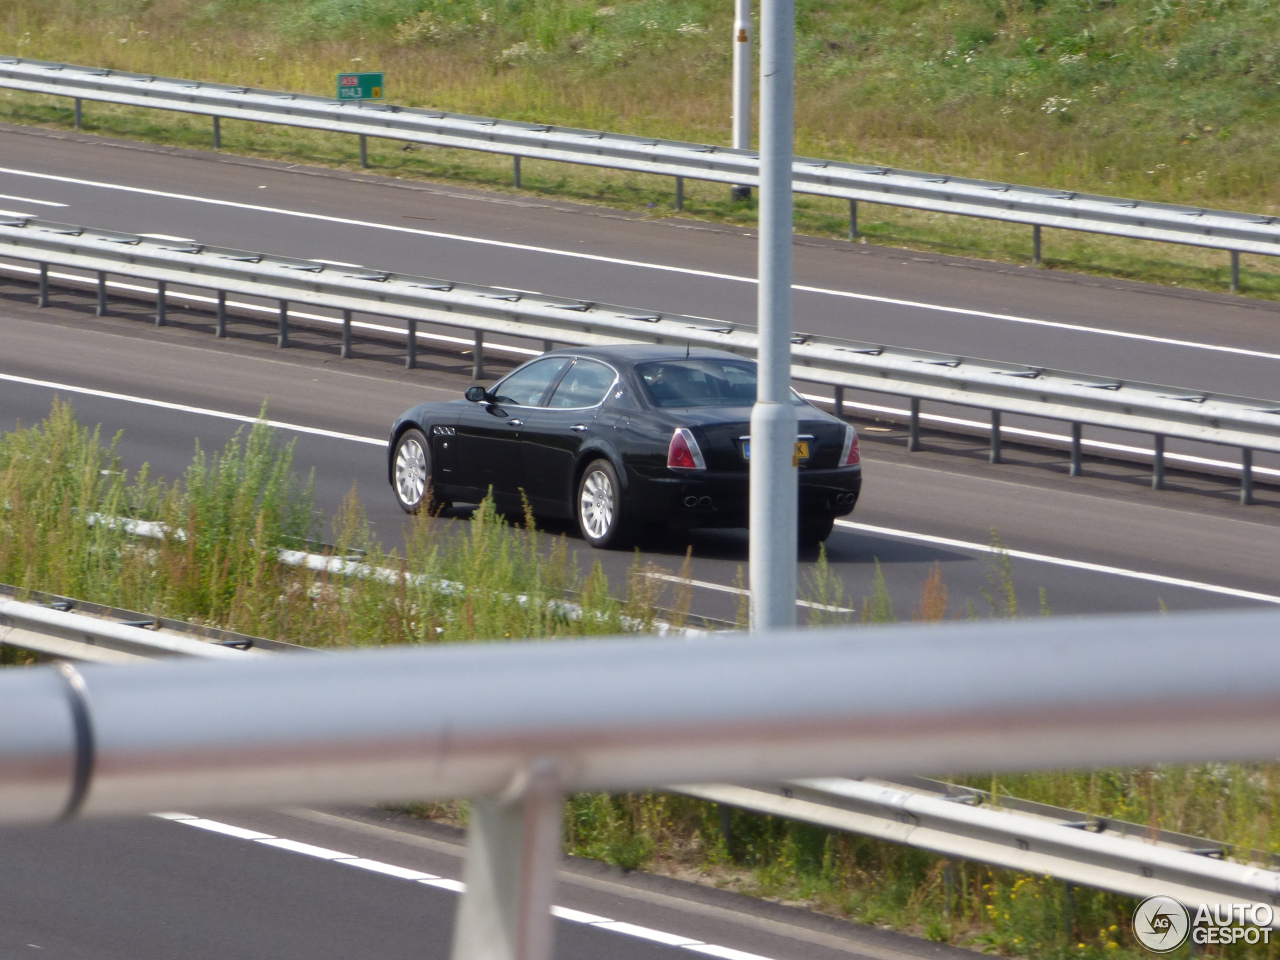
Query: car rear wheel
[(412, 471), (813, 530), (599, 508)]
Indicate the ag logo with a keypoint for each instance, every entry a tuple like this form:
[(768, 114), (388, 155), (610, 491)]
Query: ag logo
[(1161, 924)]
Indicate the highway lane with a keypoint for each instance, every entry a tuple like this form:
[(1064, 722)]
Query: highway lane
[(1050, 319), (157, 889), (1099, 520)]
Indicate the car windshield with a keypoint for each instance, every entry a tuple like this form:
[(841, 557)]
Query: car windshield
[(700, 382)]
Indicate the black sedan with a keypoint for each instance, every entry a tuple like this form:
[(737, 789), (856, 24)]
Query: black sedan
[(617, 438)]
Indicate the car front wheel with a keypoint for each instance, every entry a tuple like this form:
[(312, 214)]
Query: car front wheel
[(599, 508), (412, 478)]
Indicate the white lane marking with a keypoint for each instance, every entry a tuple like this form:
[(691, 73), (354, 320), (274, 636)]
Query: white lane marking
[(666, 268), (336, 263), (1044, 435), (13, 213), (443, 883), (273, 311), (166, 236), (738, 591), (1062, 562), (185, 408), (887, 531), (38, 203)]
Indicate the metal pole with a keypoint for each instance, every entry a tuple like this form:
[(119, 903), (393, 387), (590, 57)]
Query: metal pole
[(515, 168), (839, 392), (217, 133), (345, 352), (160, 303), (1077, 461), (679, 193), (741, 85), (42, 298), (547, 346), (220, 315), (79, 113), (1246, 476), (1235, 271), (853, 219), (513, 852), (364, 151), (411, 346), (102, 294), (1035, 244), (282, 333), (995, 436), (773, 496), (477, 368), (1157, 463)]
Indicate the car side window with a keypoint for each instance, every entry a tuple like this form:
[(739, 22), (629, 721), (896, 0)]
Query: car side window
[(583, 386), (525, 387)]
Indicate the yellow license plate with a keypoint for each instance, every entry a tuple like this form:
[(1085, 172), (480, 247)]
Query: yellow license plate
[(802, 450)]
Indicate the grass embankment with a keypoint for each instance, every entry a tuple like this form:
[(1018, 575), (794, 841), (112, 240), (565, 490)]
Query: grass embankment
[(237, 509), (1171, 100)]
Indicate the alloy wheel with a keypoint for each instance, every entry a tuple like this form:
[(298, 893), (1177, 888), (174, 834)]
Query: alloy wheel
[(597, 504), (411, 472)]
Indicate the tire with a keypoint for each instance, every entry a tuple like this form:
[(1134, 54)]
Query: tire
[(411, 472), (813, 530), (599, 508)]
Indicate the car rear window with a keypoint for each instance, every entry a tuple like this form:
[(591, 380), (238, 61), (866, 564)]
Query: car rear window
[(701, 382)]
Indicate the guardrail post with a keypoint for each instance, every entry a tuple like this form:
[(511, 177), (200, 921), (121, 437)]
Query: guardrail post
[(160, 303), (42, 298), (1235, 271), (411, 346), (1035, 244), (515, 171), (513, 854), (220, 316), (1157, 463), (1077, 465), (1246, 476), (996, 444), (102, 294), (839, 397), (282, 333), (913, 426), (679, 193), (364, 151), (217, 133), (345, 352), (853, 219), (547, 346), (79, 113), (477, 367)]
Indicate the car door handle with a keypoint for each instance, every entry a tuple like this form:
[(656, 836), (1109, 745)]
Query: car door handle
[(515, 423), (579, 427)]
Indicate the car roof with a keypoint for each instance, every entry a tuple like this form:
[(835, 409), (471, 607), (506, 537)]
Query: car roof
[(634, 353)]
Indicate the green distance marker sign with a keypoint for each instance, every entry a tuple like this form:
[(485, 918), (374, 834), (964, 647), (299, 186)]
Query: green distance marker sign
[(360, 86)]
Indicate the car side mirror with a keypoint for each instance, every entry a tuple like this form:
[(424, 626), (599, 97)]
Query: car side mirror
[(476, 394)]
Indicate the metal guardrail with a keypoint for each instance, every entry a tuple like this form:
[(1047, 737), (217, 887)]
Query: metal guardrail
[(1035, 206), (1102, 853), (1001, 388), (1080, 850), (515, 726)]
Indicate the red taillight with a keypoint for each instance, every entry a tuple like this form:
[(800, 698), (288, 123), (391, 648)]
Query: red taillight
[(849, 456), (683, 454)]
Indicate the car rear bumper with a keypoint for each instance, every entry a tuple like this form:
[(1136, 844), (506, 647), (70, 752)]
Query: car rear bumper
[(714, 499)]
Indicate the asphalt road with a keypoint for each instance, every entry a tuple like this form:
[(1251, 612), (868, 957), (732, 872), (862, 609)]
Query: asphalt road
[(1095, 544)]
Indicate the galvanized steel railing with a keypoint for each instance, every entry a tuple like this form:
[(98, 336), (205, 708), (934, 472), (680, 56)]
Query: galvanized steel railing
[(1001, 388), (1035, 206)]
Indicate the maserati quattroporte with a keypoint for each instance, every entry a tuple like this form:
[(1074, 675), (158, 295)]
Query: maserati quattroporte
[(618, 439)]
